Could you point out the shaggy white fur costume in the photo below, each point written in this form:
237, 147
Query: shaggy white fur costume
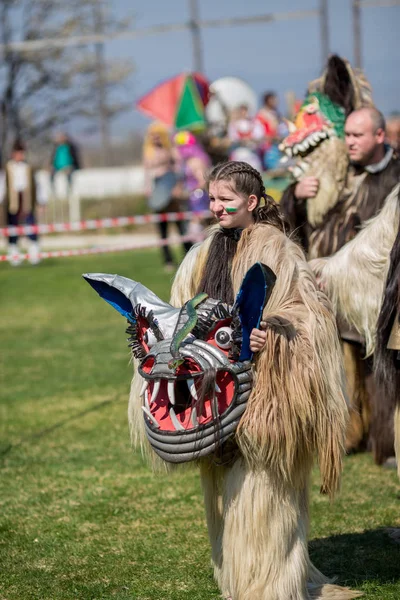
257, 505
354, 278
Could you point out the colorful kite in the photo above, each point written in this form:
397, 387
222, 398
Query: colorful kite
178, 102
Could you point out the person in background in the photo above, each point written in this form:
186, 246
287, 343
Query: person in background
20, 193
163, 187
194, 164
247, 136
274, 130
393, 132
268, 115
372, 174
65, 158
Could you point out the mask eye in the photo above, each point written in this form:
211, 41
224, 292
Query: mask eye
223, 337
149, 338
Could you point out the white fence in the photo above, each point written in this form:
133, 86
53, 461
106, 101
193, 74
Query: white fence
93, 183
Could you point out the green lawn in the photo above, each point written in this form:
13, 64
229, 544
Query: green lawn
81, 516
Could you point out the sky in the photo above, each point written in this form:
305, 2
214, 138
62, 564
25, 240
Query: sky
281, 56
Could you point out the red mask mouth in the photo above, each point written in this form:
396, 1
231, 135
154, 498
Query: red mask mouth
193, 411
187, 402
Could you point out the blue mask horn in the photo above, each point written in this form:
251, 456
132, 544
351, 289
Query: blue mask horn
125, 295
251, 300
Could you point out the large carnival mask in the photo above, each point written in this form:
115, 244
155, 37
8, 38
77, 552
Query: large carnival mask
317, 120
195, 361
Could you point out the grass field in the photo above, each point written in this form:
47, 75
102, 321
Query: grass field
81, 516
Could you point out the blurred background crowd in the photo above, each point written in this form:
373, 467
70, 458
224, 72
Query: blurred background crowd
119, 111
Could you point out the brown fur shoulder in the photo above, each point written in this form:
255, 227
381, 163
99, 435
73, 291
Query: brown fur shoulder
297, 407
361, 199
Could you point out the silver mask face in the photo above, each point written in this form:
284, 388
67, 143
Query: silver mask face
195, 361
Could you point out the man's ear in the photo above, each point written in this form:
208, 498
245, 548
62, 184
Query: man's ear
380, 135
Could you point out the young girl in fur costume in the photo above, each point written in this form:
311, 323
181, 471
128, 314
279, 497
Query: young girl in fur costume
256, 493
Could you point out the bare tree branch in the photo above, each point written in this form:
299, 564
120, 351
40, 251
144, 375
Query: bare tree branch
47, 89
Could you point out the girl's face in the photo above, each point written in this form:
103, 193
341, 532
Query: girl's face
231, 209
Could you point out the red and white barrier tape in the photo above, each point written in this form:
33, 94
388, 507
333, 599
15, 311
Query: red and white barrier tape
105, 249
93, 224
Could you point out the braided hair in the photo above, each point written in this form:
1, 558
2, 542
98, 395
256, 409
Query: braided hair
247, 181
216, 277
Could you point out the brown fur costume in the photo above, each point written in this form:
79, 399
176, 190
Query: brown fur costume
360, 197
356, 279
346, 197
257, 504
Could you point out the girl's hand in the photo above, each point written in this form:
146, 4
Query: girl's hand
258, 338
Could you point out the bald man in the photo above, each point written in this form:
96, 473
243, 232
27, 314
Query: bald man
365, 137
373, 171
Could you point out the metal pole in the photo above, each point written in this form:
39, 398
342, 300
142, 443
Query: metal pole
79, 40
357, 34
378, 3
101, 85
198, 62
324, 25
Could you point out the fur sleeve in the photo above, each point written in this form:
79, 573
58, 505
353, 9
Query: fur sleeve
355, 276
297, 408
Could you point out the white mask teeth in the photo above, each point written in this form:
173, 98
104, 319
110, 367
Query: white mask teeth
171, 391
192, 389
144, 387
193, 417
217, 388
175, 421
156, 389
150, 416
146, 401
303, 166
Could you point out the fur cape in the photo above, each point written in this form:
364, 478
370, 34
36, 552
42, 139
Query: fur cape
257, 505
363, 282
297, 407
354, 278
387, 357
386, 362
361, 197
